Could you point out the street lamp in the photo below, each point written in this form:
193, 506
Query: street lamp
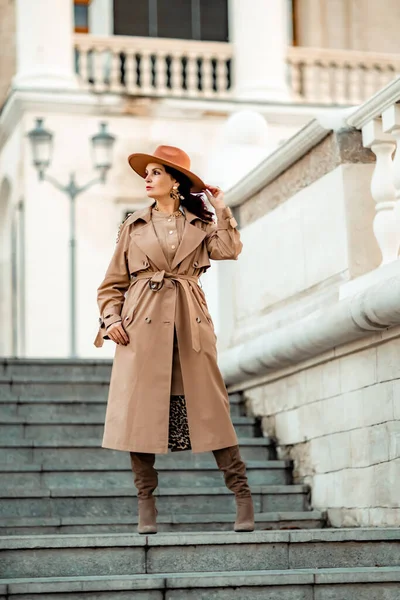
42, 148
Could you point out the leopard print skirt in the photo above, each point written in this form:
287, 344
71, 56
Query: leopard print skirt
178, 434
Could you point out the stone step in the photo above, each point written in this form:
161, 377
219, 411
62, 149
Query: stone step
370, 583
29, 370
180, 522
274, 472
89, 452
76, 502
82, 427
212, 552
55, 400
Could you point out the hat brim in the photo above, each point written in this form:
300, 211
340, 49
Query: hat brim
139, 162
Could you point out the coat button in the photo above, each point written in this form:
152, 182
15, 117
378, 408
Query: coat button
196, 264
198, 319
153, 285
148, 320
126, 318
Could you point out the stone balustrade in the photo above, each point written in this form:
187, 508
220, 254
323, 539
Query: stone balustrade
161, 67
188, 68
341, 77
379, 121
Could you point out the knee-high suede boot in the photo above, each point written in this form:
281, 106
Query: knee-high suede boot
146, 481
231, 464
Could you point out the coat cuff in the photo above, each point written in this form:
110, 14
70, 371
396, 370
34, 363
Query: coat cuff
105, 322
110, 319
225, 218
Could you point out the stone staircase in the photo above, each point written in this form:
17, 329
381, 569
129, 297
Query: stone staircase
68, 511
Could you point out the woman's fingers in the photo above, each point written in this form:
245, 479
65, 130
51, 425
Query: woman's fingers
213, 189
117, 334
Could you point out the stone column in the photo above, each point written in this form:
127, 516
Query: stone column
44, 45
259, 33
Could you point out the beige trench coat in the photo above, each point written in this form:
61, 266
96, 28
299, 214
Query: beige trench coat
151, 298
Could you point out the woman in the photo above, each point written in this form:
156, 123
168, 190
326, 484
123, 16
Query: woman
166, 391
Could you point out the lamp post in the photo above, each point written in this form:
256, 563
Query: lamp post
42, 147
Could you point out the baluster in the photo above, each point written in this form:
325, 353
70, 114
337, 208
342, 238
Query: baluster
340, 84
355, 87
176, 74
191, 75
115, 71
385, 75
309, 82
83, 68
323, 88
161, 73
207, 75
222, 77
131, 63
98, 69
391, 124
146, 72
371, 81
296, 80
382, 190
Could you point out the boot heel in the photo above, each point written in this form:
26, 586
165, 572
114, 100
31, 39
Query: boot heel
244, 514
147, 515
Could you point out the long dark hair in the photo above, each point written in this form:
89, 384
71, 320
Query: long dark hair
193, 202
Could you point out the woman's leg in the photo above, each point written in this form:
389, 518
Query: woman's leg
146, 481
231, 464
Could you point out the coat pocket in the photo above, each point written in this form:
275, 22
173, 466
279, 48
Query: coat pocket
131, 302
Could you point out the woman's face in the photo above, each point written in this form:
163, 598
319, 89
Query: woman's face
158, 182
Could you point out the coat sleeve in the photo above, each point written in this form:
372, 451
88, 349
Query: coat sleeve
223, 238
111, 292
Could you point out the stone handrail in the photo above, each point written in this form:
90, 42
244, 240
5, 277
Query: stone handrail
341, 77
145, 66
372, 310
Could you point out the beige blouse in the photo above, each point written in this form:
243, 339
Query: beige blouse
169, 231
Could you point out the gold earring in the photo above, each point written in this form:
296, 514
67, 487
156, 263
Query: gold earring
174, 194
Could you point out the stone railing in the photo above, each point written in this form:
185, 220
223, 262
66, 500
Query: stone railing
341, 77
185, 68
379, 121
162, 67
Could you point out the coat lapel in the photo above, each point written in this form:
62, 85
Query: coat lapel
147, 241
192, 237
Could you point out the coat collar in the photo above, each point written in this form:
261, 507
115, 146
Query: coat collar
145, 237
144, 214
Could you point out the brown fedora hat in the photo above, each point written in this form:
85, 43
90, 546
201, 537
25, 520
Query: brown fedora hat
169, 156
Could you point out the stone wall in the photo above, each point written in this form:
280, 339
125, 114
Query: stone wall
7, 46
339, 420
365, 25
332, 406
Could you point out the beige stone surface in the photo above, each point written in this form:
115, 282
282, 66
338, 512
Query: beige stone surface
7, 46
339, 422
337, 148
365, 25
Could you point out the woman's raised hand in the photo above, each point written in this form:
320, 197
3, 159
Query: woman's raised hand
117, 333
215, 195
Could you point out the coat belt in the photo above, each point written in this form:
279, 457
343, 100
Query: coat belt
156, 281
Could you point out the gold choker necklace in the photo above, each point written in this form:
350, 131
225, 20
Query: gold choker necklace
177, 213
